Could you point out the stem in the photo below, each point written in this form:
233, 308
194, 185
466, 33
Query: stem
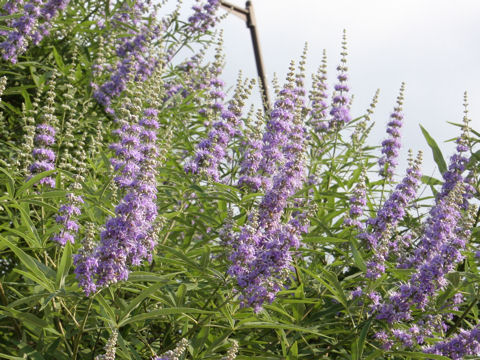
460, 319
4, 300
82, 327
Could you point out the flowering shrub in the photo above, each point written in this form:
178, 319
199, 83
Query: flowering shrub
145, 214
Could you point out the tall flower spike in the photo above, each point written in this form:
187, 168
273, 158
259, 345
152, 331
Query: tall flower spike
391, 146
340, 111
44, 156
252, 156
318, 97
176, 353
380, 235
357, 201
136, 59
232, 352
458, 162
66, 218
25, 157
212, 150
110, 347
278, 126
445, 235
262, 257
131, 235
362, 128
84, 261
204, 17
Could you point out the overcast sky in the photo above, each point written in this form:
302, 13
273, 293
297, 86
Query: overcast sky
432, 45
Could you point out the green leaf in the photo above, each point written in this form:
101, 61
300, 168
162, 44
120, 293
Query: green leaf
359, 344
143, 295
34, 180
419, 355
357, 257
155, 314
272, 325
5, 356
437, 154
64, 266
36, 272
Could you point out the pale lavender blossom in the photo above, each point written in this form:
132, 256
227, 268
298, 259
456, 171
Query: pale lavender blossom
357, 201
466, 343
379, 236
340, 110
445, 235
204, 17
135, 60
391, 146
262, 256
66, 217
33, 25
128, 237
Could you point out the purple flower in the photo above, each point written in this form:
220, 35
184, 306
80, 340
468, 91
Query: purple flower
340, 111
278, 127
129, 237
261, 257
136, 61
204, 16
391, 146
358, 201
43, 155
445, 235
250, 165
382, 227
34, 24
211, 151
66, 218
467, 343
457, 166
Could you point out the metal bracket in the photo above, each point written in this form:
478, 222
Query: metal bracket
248, 15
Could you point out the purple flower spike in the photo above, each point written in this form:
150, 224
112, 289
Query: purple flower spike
467, 343
358, 201
129, 237
340, 110
279, 125
445, 235
391, 146
34, 24
66, 218
212, 150
135, 58
204, 16
458, 163
382, 227
44, 157
261, 257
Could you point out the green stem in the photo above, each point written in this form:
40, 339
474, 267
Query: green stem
82, 327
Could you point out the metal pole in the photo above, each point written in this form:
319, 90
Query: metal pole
248, 15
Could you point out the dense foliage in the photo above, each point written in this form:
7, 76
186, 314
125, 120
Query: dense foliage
145, 213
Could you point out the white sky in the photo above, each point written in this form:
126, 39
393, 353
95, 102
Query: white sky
432, 45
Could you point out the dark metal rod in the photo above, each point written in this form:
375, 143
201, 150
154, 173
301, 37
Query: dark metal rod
252, 25
248, 15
